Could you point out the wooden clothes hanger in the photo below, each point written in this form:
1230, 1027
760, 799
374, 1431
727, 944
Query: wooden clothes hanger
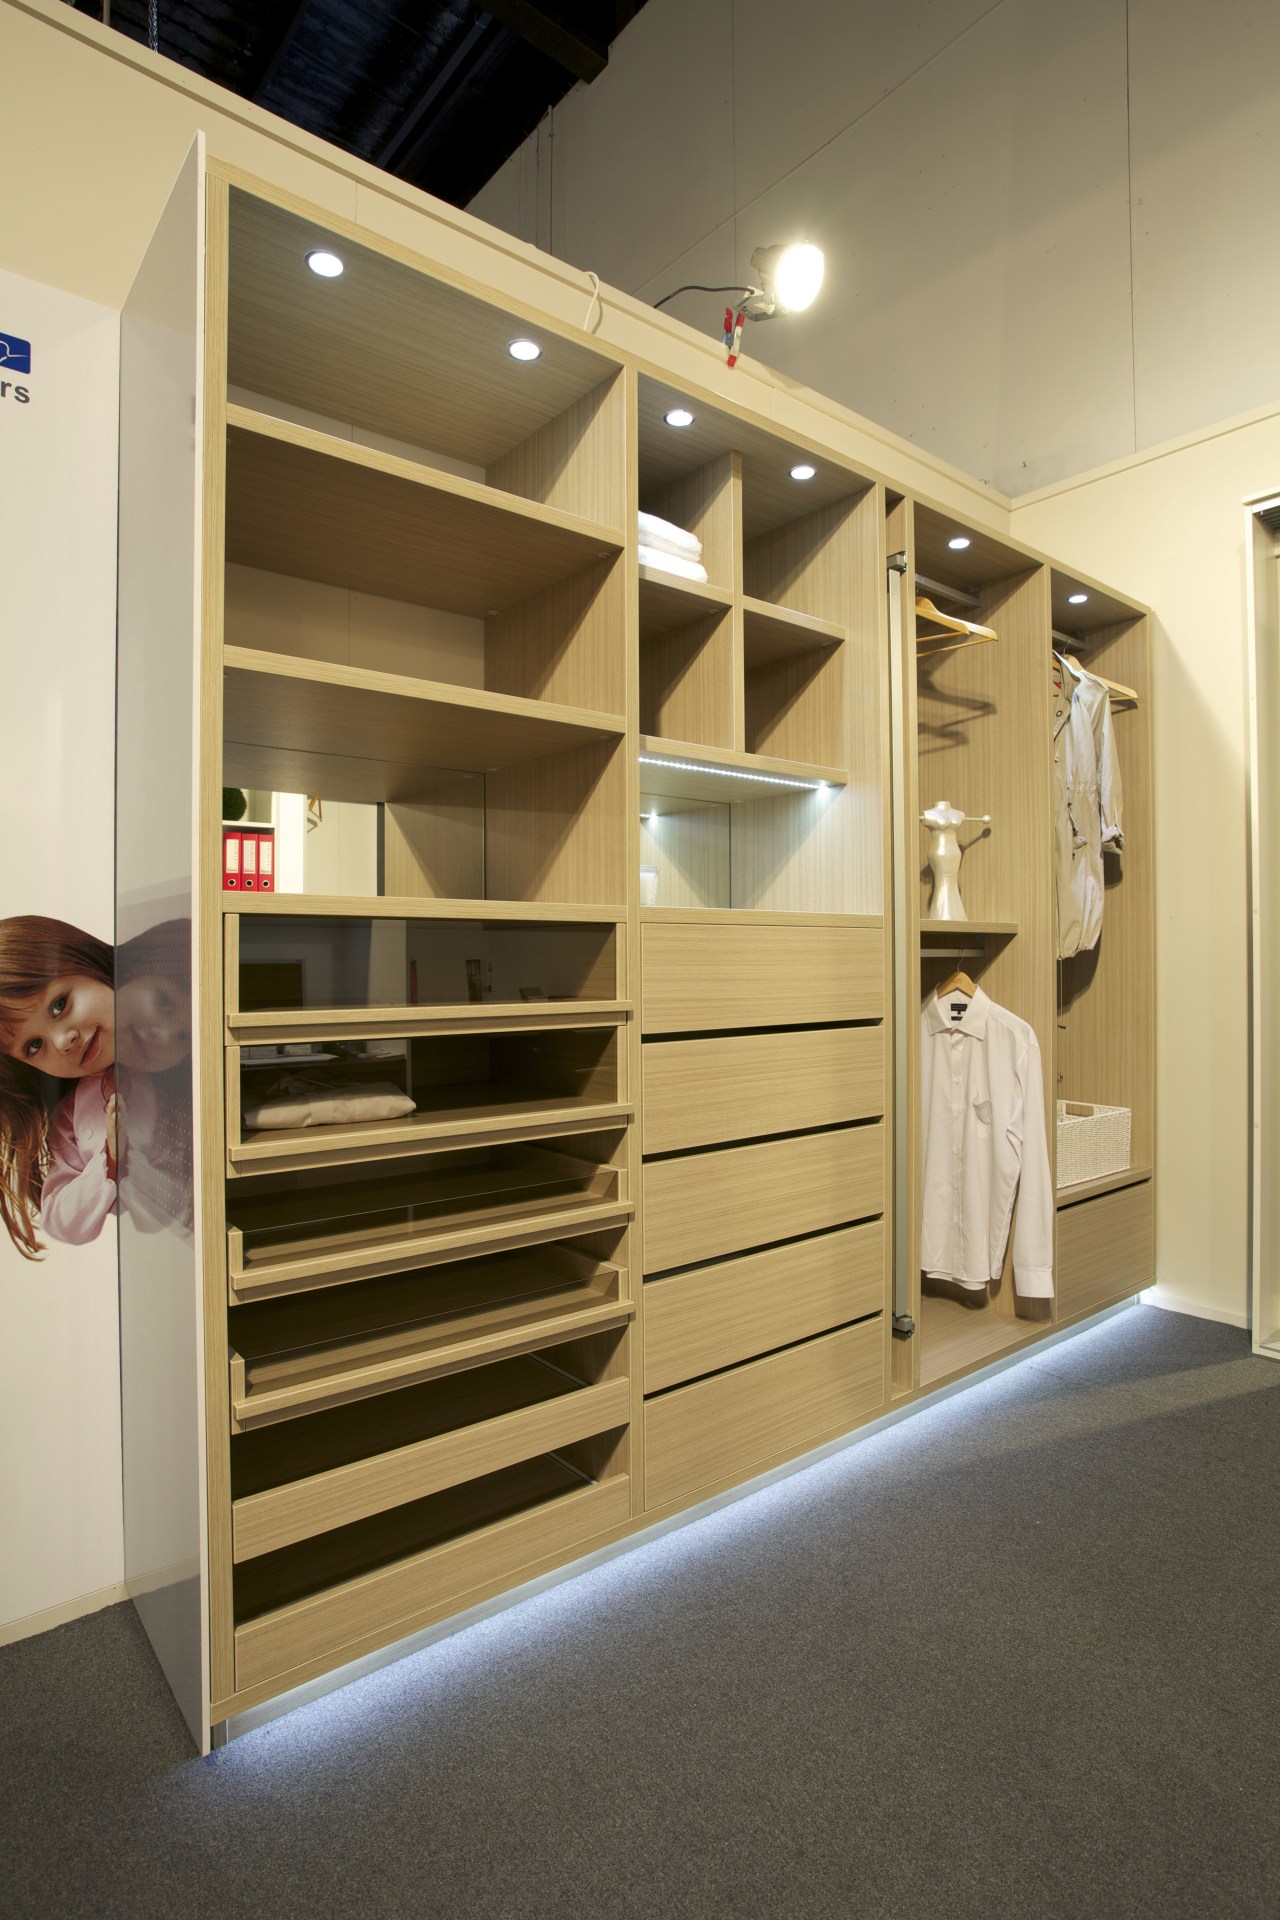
972, 634
957, 982
1113, 687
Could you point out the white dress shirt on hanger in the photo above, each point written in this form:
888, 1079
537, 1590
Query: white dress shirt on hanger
983, 1143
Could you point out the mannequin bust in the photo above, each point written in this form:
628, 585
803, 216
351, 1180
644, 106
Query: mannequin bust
944, 820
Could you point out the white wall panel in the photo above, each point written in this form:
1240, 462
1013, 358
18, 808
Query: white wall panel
805, 72
643, 158
1206, 107
959, 306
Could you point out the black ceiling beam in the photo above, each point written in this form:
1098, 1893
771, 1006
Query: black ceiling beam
401, 145
576, 52
269, 62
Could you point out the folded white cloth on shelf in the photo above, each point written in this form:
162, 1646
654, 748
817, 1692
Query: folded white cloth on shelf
672, 563
668, 538
311, 1102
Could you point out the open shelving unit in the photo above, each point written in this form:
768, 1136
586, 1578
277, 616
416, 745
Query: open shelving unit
607, 901
979, 732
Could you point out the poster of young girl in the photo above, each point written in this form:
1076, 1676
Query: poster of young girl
60, 1500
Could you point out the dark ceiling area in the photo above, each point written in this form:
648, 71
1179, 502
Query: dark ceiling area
437, 92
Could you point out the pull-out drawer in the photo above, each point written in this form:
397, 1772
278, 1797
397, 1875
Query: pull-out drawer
1106, 1249
696, 1323
705, 977
711, 1204
309, 1477
699, 1092
752, 1417
327, 1601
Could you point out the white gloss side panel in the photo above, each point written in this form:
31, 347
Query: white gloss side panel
161, 1356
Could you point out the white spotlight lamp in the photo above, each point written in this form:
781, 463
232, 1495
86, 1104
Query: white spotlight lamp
790, 278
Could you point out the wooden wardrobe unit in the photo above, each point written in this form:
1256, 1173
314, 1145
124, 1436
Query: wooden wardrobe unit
635, 1244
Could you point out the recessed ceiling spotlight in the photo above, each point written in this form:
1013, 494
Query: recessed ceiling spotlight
803, 472
678, 417
326, 264
958, 542
1076, 599
525, 350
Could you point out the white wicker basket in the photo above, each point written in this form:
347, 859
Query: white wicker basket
1092, 1141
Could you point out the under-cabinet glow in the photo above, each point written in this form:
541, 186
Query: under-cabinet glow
327, 265
678, 417
803, 472
730, 773
525, 350
1076, 599
959, 542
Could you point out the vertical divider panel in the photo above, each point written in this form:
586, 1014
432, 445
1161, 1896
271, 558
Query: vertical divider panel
212, 1037
572, 462
629, 934
904, 945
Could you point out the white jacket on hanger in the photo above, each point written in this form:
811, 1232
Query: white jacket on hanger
983, 1143
1086, 804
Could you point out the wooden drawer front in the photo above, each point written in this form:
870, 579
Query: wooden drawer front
1106, 1249
303, 1508
722, 1429
342, 1622
698, 1092
701, 978
696, 1323
713, 1204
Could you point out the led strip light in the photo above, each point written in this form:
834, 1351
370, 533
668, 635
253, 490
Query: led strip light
731, 773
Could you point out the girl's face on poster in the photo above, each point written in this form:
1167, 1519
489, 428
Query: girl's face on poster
69, 1031
155, 1024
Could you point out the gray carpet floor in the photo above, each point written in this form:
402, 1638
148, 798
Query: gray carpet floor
1015, 1656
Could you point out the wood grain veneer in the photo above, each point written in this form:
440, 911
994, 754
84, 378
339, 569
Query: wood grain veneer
700, 1092
705, 1205
743, 1420
1106, 1249
703, 976
715, 1316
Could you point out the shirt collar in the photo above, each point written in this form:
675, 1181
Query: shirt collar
974, 1022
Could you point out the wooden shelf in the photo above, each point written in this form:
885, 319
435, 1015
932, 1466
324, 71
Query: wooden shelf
463, 1118
750, 916
956, 1338
406, 735
490, 1016
290, 1357
981, 929
298, 1480
717, 774
667, 601
380, 906
773, 632
324, 509
1106, 1183
523, 1196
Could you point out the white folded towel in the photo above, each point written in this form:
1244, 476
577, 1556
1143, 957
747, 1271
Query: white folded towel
300, 1101
672, 563
667, 538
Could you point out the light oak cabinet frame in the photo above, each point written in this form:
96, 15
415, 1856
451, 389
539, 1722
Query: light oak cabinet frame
368, 1472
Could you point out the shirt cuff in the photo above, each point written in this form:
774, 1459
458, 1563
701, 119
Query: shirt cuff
1034, 1283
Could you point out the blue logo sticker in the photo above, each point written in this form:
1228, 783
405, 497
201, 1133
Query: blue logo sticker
15, 354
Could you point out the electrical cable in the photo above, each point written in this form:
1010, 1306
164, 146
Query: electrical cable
695, 287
